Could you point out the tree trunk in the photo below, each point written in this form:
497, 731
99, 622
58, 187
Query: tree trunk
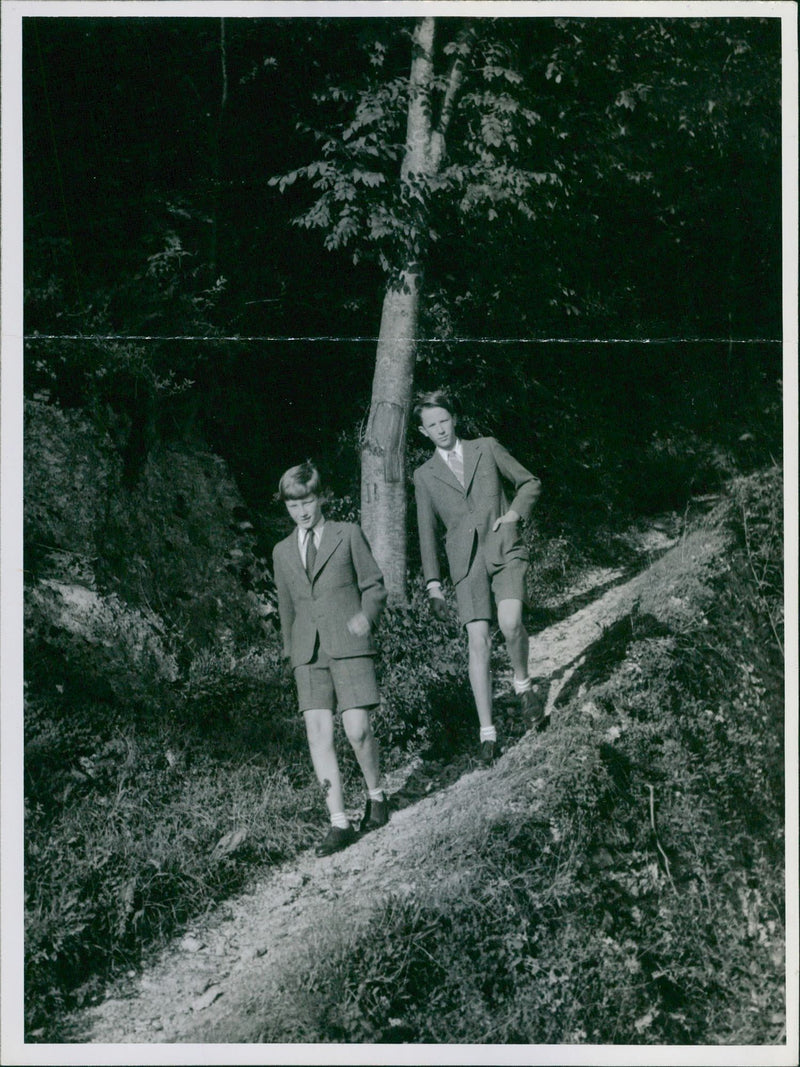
383, 483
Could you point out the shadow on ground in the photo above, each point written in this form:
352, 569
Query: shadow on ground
437, 771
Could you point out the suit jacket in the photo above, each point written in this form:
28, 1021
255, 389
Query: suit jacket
346, 580
468, 512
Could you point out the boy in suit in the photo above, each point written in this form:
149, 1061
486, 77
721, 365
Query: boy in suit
330, 596
460, 488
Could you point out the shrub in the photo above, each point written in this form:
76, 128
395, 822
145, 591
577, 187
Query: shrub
426, 702
71, 471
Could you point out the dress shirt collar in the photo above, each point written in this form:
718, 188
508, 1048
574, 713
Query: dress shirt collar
317, 532
444, 452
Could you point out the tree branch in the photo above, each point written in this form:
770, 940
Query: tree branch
419, 124
464, 43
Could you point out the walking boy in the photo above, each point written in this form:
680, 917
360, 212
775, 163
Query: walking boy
460, 487
330, 596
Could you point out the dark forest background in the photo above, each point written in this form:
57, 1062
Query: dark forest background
603, 295
148, 154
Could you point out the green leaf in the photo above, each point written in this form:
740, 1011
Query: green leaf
370, 178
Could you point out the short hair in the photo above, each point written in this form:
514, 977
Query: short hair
437, 398
297, 482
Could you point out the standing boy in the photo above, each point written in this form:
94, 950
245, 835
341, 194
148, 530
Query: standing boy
460, 487
330, 596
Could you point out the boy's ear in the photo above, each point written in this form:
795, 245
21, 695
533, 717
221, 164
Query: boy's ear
422, 430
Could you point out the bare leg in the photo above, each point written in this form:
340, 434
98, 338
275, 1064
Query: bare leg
319, 730
365, 746
480, 677
509, 618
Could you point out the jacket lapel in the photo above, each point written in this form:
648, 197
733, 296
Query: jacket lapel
291, 552
472, 455
440, 469
331, 539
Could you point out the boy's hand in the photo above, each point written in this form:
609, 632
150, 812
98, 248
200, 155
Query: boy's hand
510, 516
359, 625
438, 606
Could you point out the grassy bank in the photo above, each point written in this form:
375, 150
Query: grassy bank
635, 894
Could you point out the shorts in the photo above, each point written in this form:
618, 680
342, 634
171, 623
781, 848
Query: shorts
336, 683
496, 572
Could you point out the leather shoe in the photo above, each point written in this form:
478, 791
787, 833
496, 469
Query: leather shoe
489, 752
376, 814
335, 840
533, 707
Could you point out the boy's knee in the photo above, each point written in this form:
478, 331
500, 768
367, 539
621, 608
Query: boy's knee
319, 726
511, 629
356, 735
357, 727
509, 618
479, 645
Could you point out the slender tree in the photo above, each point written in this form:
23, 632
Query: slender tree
383, 493
376, 195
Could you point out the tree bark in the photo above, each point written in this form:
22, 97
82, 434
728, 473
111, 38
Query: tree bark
383, 482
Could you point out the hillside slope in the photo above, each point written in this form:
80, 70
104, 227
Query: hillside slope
234, 977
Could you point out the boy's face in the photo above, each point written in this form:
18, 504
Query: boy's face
306, 512
437, 424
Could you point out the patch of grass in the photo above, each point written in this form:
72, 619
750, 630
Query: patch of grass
130, 861
133, 827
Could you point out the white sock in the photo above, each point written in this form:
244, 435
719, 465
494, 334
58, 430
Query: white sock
523, 686
488, 733
338, 818
377, 795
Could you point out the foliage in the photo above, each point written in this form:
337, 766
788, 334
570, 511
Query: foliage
735, 664
633, 150
660, 103
665, 132
127, 715
361, 204
187, 750
70, 469
426, 703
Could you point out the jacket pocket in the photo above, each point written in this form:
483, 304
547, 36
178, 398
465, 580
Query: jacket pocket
504, 545
340, 605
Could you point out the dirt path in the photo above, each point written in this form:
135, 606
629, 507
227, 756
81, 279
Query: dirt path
224, 979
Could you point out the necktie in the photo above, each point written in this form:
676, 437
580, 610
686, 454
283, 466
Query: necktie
311, 553
456, 465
